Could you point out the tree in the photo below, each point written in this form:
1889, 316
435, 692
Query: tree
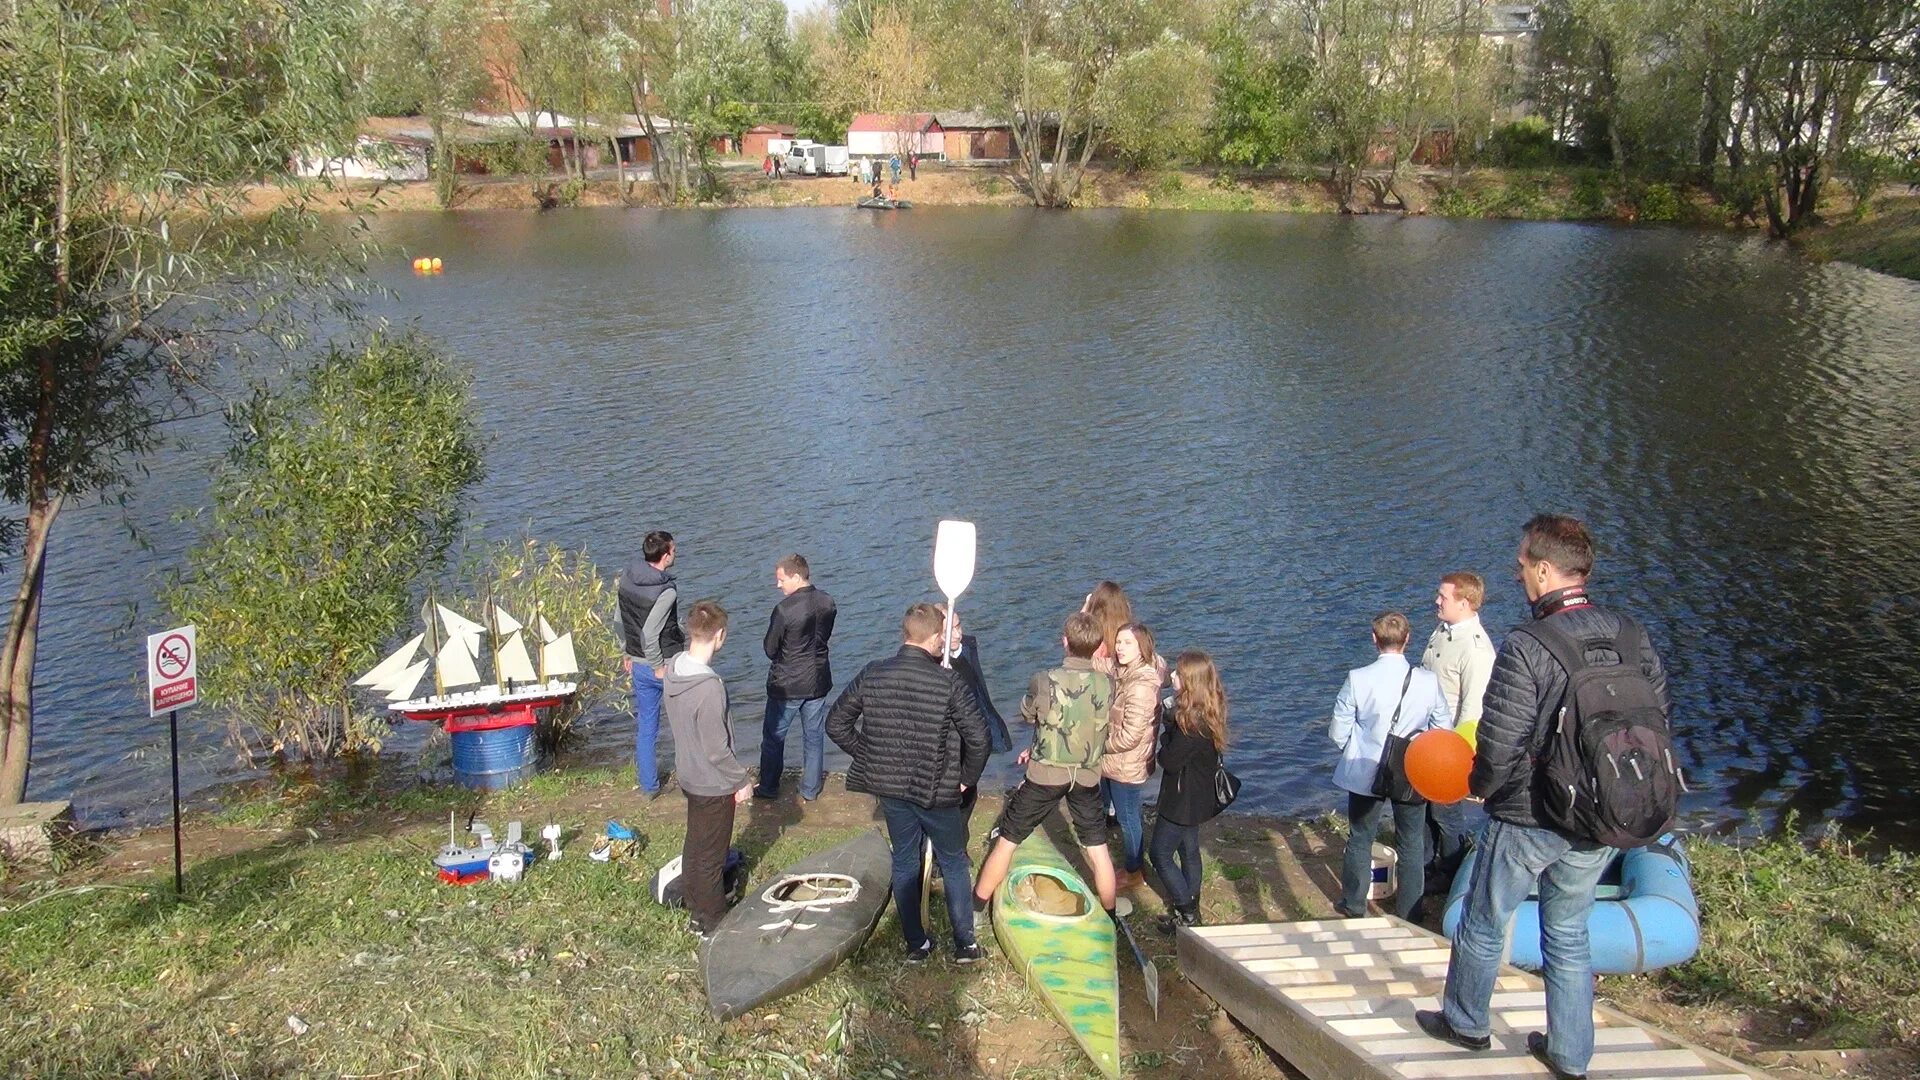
1380, 83
337, 497
734, 58
129, 270
1261, 76
425, 57
1154, 105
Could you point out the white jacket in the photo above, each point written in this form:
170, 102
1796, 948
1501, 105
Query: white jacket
1462, 656
1364, 707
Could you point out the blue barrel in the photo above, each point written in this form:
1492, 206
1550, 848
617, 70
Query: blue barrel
493, 759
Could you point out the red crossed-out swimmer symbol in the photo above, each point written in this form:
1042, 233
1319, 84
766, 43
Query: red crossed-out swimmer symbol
171, 659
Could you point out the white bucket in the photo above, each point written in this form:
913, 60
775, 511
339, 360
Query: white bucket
1386, 872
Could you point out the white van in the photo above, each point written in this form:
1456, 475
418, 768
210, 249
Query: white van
807, 158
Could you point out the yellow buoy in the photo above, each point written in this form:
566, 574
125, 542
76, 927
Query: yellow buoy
436, 263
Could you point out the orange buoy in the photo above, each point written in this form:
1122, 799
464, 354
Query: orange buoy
436, 264
1438, 763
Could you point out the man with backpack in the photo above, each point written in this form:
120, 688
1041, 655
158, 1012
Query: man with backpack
1575, 760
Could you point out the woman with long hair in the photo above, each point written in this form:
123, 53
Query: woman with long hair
1108, 605
1132, 729
1189, 759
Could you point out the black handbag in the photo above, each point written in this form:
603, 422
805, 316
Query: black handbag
1390, 778
1226, 788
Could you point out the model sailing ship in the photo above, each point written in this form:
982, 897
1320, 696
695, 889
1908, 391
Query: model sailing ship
455, 648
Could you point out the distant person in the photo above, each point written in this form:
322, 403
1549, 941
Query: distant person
1111, 610
1132, 731
650, 626
893, 163
798, 679
1388, 696
1529, 841
712, 779
1189, 760
1069, 707
918, 745
877, 193
766, 166
1460, 655
913, 166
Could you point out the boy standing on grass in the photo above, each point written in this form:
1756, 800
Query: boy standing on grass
1068, 707
713, 780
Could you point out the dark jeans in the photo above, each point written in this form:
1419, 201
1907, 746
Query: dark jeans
703, 858
1449, 832
1178, 842
908, 828
1125, 800
1410, 840
646, 727
781, 713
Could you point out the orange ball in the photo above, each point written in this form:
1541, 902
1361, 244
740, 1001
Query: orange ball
436, 263
1438, 762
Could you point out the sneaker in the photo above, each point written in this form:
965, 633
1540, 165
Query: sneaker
918, 954
765, 796
970, 953
1435, 1025
1168, 924
1537, 1046
703, 936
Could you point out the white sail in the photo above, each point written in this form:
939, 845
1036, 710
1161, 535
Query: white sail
393, 666
504, 623
559, 658
464, 630
546, 631
515, 664
402, 688
456, 663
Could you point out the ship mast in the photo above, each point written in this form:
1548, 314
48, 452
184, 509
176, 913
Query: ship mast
491, 617
432, 615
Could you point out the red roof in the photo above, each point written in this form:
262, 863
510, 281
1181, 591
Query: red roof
885, 122
773, 129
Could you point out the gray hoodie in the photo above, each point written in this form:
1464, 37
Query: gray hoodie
695, 701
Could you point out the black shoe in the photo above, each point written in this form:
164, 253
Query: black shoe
765, 796
1537, 1046
970, 953
1188, 915
1167, 924
919, 954
1435, 1025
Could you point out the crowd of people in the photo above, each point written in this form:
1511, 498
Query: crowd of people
920, 726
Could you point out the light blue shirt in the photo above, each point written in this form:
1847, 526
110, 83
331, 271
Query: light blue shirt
1365, 705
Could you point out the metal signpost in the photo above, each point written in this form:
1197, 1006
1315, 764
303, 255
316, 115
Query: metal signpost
173, 660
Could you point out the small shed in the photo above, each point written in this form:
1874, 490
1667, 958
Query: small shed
374, 157
976, 136
883, 134
757, 141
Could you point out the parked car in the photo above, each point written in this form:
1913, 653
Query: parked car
806, 158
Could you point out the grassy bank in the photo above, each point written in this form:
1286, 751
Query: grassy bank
1886, 239
313, 940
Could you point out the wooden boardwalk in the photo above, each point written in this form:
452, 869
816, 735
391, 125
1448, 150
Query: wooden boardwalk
1336, 999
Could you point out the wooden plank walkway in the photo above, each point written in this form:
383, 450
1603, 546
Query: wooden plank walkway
1336, 999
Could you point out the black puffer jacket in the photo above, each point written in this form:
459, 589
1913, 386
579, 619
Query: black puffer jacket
1523, 695
913, 729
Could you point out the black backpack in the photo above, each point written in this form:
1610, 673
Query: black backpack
1607, 771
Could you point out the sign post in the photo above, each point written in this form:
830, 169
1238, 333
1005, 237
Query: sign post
173, 661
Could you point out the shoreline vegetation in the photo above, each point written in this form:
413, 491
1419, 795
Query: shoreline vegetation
313, 939
1885, 238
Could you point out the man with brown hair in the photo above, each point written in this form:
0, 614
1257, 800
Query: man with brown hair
1461, 655
1068, 707
798, 678
1387, 697
918, 743
713, 780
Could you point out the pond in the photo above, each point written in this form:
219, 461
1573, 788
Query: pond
1267, 427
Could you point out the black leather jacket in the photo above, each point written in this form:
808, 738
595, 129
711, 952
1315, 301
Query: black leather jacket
1523, 695
796, 643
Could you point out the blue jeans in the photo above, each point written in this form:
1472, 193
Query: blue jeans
1176, 857
646, 727
1125, 800
1509, 861
908, 828
1410, 841
773, 745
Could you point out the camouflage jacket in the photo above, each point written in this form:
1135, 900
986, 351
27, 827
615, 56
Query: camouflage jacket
1069, 707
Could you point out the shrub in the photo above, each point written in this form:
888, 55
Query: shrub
1526, 143
1168, 185
1589, 195
1659, 202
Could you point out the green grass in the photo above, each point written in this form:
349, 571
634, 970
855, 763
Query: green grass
1887, 240
1822, 931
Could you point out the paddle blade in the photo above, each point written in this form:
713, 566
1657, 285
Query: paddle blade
953, 551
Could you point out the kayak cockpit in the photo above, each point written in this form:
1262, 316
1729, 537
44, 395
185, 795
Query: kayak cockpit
1047, 895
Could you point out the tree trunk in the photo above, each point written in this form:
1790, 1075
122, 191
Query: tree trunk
445, 183
17, 654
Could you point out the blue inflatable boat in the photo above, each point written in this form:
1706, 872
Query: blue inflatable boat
1645, 916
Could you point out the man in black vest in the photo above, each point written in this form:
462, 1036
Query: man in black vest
650, 627
798, 679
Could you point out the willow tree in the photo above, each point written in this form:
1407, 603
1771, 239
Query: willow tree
129, 267
424, 56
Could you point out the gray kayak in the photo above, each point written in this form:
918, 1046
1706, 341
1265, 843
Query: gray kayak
871, 203
796, 927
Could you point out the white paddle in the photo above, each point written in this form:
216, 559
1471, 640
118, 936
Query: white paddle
953, 551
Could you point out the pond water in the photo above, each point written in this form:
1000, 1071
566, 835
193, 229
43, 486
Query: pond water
1268, 428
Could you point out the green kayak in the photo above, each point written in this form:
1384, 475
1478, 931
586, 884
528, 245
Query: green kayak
1050, 924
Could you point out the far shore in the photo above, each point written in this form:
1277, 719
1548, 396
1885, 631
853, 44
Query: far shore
313, 899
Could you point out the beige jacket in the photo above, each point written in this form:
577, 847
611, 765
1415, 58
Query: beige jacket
1132, 727
1462, 656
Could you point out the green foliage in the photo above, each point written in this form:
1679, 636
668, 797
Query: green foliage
1822, 929
1260, 83
530, 579
423, 57
1526, 143
1155, 102
1589, 196
338, 496
1658, 202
